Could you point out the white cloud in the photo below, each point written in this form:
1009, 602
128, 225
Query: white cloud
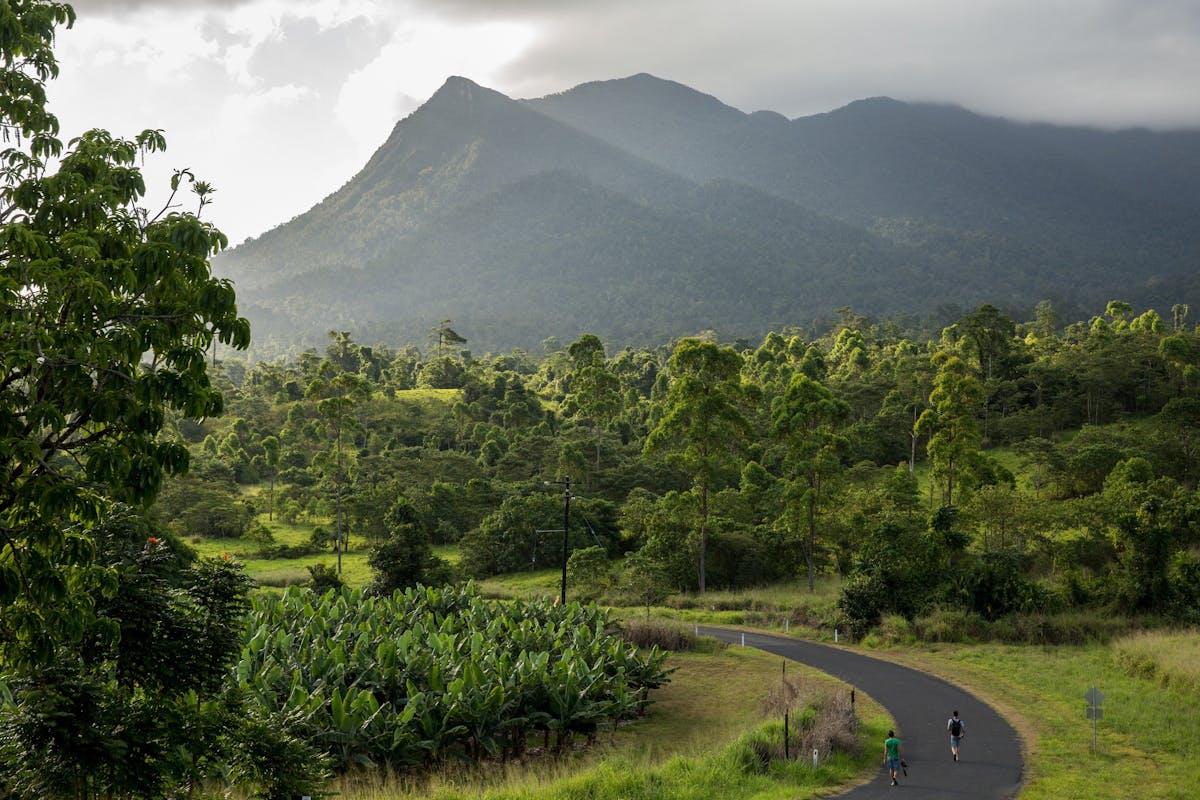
413, 64
243, 114
279, 102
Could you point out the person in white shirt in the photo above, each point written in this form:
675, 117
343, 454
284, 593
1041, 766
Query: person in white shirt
957, 729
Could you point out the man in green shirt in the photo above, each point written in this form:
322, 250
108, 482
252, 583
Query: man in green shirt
892, 755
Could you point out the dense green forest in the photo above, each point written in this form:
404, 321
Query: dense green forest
995, 468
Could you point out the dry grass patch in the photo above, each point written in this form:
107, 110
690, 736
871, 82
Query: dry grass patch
821, 717
1169, 658
711, 699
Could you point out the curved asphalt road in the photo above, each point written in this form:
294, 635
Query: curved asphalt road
990, 753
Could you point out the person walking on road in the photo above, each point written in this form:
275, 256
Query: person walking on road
957, 730
892, 755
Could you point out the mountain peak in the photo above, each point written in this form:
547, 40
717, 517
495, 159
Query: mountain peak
458, 89
643, 96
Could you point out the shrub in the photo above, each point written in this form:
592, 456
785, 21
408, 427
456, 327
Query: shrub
198, 508
140, 706
323, 577
1070, 628
994, 585
320, 538
277, 760
590, 571
863, 599
406, 557
261, 535
950, 625
1184, 577
895, 629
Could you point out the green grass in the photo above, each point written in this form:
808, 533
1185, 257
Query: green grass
1007, 458
524, 585
1148, 741
289, 533
447, 552
429, 396
278, 572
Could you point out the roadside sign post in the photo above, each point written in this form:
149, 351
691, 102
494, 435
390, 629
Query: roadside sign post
1094, 712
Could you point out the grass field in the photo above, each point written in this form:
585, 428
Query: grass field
279, 572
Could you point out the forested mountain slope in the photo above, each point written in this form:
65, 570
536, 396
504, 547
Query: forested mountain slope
641, 209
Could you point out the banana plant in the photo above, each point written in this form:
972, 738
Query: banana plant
430, 673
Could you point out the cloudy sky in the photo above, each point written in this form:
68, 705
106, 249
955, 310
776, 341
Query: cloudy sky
279, 102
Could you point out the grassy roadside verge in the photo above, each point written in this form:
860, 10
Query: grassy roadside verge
1148, 741
698, 741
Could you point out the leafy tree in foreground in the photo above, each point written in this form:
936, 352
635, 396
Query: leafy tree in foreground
148, 713
105, 317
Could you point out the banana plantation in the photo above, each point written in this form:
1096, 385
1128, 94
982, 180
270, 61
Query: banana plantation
430, 674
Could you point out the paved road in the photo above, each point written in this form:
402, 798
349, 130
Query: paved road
990, 765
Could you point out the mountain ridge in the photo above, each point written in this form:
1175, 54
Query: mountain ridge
674, 212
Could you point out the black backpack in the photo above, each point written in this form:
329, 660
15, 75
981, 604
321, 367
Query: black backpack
956, 727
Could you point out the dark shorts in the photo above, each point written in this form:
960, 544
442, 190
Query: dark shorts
893, 763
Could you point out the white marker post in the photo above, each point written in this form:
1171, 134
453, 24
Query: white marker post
1094, 711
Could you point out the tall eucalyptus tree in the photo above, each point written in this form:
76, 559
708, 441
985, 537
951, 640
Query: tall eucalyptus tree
595, 391
806, 418
950, 421
337, 395
702, 427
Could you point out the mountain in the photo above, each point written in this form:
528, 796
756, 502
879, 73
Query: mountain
640, 209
